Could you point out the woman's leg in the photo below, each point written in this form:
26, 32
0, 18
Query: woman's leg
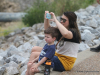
57, 64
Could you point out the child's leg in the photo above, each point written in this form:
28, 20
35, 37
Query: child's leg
35, 52
26, 73
36, 49
32, 57
28, 68
32, 70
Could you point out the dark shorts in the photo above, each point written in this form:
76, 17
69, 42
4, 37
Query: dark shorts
57, 64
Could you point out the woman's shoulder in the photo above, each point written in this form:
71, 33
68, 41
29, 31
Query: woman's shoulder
75, 35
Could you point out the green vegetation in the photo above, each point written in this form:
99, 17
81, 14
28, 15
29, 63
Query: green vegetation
35, 14
71, 5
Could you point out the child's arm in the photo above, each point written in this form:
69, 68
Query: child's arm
40, 62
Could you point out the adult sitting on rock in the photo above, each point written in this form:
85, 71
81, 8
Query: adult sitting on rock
69, 37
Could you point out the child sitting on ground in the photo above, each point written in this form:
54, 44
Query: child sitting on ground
47, 52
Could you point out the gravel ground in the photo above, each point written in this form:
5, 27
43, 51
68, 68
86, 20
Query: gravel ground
90, 66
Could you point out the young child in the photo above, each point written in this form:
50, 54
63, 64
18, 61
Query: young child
47, 52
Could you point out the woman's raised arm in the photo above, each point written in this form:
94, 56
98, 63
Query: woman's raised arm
46, 21
63, 30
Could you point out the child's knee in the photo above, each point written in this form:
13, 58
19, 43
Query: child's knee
34, 49
29, 64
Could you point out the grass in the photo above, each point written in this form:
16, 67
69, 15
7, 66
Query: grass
5, 30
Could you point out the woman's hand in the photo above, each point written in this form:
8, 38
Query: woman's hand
45, 14
52, 14
54, 17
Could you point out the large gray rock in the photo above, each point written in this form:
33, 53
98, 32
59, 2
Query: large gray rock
97, 10
16, 58
92, 23
4, 54
41, 43
41, 37
23, 73
83, 46
87, 36
2, 70
26, 47
90, 9
18, 41
23, 69
13, 64
1, 61
1, 51
30, 34
12, 71
24, 62
12, 50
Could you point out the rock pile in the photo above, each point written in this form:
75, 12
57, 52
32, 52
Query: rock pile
18, 44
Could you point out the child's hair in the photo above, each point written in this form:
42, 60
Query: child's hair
54, 32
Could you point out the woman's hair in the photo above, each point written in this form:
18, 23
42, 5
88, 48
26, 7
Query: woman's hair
72, 23
52, 31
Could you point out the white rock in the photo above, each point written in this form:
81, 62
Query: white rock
12, 71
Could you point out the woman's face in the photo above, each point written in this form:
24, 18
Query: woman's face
64, 21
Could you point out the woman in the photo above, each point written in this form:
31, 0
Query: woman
67, 48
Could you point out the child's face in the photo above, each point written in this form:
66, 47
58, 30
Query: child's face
49, 39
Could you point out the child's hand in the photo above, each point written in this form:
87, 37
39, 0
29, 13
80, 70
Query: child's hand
35, 67
33, 61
